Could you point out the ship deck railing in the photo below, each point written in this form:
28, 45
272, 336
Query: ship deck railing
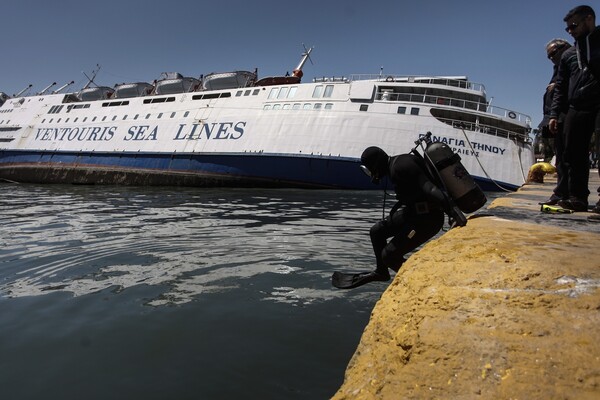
458, 103
487, 129
462, 83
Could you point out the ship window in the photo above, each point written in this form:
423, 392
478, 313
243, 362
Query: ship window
286, 106
414, 111
328, 91
58, 120
66, 120
147, 116
124, 117
401, 110
292, 92
44, 120
267, 107
114, 117
256, 91
364, 107
273, 93
283, 92
186, 114
247, 92
104, 118
318, 106
93, 119
318, 91
277, 107
238, 93
136, 116
173, 115
328, 106
307, 106
296, 106
159, 115
75, 120
85, 119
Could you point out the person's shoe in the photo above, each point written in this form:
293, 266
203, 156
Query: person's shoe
552, 201
596, 208
573, 204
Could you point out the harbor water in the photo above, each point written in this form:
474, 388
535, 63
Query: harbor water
180, 293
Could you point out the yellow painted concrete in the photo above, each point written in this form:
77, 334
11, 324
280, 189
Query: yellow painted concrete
503, 308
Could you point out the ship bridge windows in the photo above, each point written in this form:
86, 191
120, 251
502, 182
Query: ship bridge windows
432, 96
283, 92
322, 91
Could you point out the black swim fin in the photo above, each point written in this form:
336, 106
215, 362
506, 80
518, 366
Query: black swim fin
343, 280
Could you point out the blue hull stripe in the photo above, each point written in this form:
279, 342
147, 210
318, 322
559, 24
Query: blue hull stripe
279, 170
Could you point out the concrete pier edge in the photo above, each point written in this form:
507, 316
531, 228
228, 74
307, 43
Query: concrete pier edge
507, 307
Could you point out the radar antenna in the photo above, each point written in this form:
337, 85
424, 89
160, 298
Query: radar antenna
91, 80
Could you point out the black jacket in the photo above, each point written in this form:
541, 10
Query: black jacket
578, 80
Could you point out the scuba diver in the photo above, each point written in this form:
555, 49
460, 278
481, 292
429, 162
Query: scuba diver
418, 214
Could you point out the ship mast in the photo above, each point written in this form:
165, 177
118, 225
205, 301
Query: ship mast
305, 56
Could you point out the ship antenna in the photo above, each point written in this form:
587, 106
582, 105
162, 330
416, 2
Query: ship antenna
22, 91
91, 80
47, 87
305, 56
63, 87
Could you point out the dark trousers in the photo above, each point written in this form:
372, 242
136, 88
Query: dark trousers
562, 182
400, 226
579, 126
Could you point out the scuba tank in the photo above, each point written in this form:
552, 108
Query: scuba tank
459, 184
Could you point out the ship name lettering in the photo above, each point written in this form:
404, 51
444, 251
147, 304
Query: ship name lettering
141, 133
84, 134
214, 131
473, 148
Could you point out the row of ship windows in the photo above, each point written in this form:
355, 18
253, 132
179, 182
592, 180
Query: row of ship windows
7, 110
114, 118
289, 92
298, 106
295, 106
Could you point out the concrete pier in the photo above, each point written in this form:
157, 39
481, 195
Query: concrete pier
507, 307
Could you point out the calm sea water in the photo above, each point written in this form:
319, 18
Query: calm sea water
180, 293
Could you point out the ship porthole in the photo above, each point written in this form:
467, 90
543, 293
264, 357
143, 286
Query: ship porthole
512, 115
389, 79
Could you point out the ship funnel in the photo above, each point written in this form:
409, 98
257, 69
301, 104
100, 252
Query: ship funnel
305, 56
63, 87
47, 87
22, 91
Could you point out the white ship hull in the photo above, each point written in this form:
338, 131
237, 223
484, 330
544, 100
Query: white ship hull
291, 135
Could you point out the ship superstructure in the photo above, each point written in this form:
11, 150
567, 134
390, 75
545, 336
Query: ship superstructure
234, 129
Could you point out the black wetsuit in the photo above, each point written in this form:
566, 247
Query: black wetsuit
415, 218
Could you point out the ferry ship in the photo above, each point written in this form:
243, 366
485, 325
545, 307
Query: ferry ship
234, 129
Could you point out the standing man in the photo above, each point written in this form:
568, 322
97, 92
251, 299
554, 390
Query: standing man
554, 50
578, 87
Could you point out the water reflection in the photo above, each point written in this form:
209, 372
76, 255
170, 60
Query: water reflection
188, 242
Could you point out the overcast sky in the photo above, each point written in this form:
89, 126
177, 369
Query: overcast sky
497, 43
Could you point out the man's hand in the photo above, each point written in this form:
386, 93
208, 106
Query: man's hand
553, 126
